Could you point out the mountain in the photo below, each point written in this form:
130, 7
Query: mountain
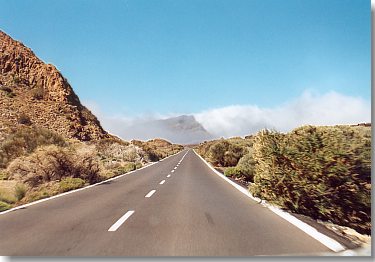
183, 129
35, 93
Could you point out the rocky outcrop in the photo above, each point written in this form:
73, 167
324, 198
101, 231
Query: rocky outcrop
35, 93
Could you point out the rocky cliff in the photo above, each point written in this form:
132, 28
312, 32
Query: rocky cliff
35, 93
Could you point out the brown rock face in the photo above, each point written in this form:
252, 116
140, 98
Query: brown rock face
35, 93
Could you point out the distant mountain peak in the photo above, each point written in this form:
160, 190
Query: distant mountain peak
185, 122
184, 129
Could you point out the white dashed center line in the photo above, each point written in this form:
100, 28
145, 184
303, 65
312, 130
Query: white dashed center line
175, 168
162, 182
150, 193
169, 176
119, 222
172, 171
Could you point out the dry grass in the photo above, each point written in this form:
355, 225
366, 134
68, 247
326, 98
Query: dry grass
7, 192
37, 163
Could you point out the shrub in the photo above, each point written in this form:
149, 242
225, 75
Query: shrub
7, 197
37, 195
217, 152
4, 175
244, 169
11, 95
52, 163
4, 206
322, 172
24, 141
46, 164
233, 154
86, 167
20, 191
151, 155
126, 168
38, 93
16, 79
156, 149
8, 91
24, 119
70, 183
225, 153
114, 153
246, 166
233, 172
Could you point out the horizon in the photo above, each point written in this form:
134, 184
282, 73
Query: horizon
236, 67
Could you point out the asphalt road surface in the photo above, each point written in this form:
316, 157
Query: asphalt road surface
172, 208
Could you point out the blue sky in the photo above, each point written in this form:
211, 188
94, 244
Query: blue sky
134, 57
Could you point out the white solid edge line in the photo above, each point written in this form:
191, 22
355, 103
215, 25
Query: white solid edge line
119, 222
149, 194
162, 182
309, 230
80, 189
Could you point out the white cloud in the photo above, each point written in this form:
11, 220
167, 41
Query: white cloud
331, 108
327, 109
123, 126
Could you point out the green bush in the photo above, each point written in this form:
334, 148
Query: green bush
20, 191
233, 172
37, 195
224, 153
322, 172
244, 169
70, 183
4, 206
126, 168
217, 152
246, 166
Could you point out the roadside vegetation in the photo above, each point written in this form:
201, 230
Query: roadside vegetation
322, 172
36, 163
232, 156
157, 149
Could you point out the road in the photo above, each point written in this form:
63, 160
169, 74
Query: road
176, 207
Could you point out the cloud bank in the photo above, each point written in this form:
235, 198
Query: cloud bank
331, 108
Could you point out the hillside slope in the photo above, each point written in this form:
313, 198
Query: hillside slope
35, 93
